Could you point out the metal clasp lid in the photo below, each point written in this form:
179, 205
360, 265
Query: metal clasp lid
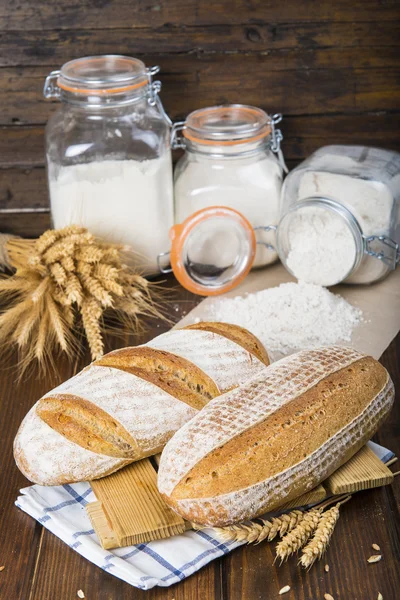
178, 141
384, 249
154, 91
51, 89
276, 138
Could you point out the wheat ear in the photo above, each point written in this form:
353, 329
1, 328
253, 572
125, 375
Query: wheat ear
255, 532
321, 538
316, 547
295, 539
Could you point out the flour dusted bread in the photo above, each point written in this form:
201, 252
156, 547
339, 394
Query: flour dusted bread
275, 437
127, 405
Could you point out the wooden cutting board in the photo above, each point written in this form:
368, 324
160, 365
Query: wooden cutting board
129, 510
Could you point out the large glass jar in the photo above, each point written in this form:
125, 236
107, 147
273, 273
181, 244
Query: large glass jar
232, 158
108, 154
341, 216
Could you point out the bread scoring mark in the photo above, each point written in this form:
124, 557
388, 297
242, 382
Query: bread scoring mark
147, 412
87, 425
236, 334
227, 363
231, 414
255, 500
174, 374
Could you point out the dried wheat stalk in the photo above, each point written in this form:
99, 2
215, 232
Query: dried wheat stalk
295, 539
254, 532
64, 281
316, 547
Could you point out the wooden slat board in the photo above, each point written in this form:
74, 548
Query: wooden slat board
363, 471
130, 510
133, 507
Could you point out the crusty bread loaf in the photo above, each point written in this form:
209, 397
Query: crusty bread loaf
128, 404
277, 436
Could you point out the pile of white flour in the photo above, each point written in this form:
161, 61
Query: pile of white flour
290, 317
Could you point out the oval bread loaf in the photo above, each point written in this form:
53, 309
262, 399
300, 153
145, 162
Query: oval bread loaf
275, 437
127, 405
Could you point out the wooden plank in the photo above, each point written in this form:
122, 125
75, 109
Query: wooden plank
101, 525
294, 84
51, 14
29, 225
52, 48
23, 147
363, 471
23, 188
133, 507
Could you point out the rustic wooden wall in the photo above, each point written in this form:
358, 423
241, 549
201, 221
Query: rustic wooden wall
331, 66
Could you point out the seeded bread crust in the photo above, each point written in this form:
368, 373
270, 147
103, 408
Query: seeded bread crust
276, 437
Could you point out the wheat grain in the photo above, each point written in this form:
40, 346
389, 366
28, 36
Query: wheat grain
375, 558
321, 538
380, 597
295, 539
284, 590
376, 547
326, 568
328, 597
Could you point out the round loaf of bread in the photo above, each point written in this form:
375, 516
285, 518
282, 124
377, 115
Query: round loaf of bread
274, 438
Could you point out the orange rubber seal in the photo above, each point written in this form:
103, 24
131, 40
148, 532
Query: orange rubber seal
194, 126
100, 92
179, 234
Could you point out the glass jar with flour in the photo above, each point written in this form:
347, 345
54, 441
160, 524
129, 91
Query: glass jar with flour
341, 216
108, 154
232, 158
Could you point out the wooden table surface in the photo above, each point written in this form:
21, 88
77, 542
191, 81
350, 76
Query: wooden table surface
38, 566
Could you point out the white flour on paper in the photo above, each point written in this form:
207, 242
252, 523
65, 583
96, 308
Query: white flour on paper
290, 317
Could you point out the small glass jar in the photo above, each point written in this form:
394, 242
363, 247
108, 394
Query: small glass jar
340, 219
108, 154
232, 158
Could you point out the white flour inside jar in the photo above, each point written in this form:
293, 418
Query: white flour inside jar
122, 201
322, 247
370, 202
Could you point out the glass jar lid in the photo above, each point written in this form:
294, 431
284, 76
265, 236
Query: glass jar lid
212, 251
107, 74
227, 125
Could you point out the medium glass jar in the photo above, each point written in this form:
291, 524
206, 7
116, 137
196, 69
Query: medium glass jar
341, 216
232, 158
108, 154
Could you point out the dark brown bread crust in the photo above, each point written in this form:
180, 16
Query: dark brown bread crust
174, 374
288, 436
236, 334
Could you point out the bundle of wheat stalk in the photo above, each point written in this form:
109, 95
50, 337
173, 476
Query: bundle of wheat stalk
309, 530
63, 283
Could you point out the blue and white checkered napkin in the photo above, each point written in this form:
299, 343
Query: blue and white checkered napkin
61, 509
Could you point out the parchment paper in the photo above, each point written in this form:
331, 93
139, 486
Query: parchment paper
380, 304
